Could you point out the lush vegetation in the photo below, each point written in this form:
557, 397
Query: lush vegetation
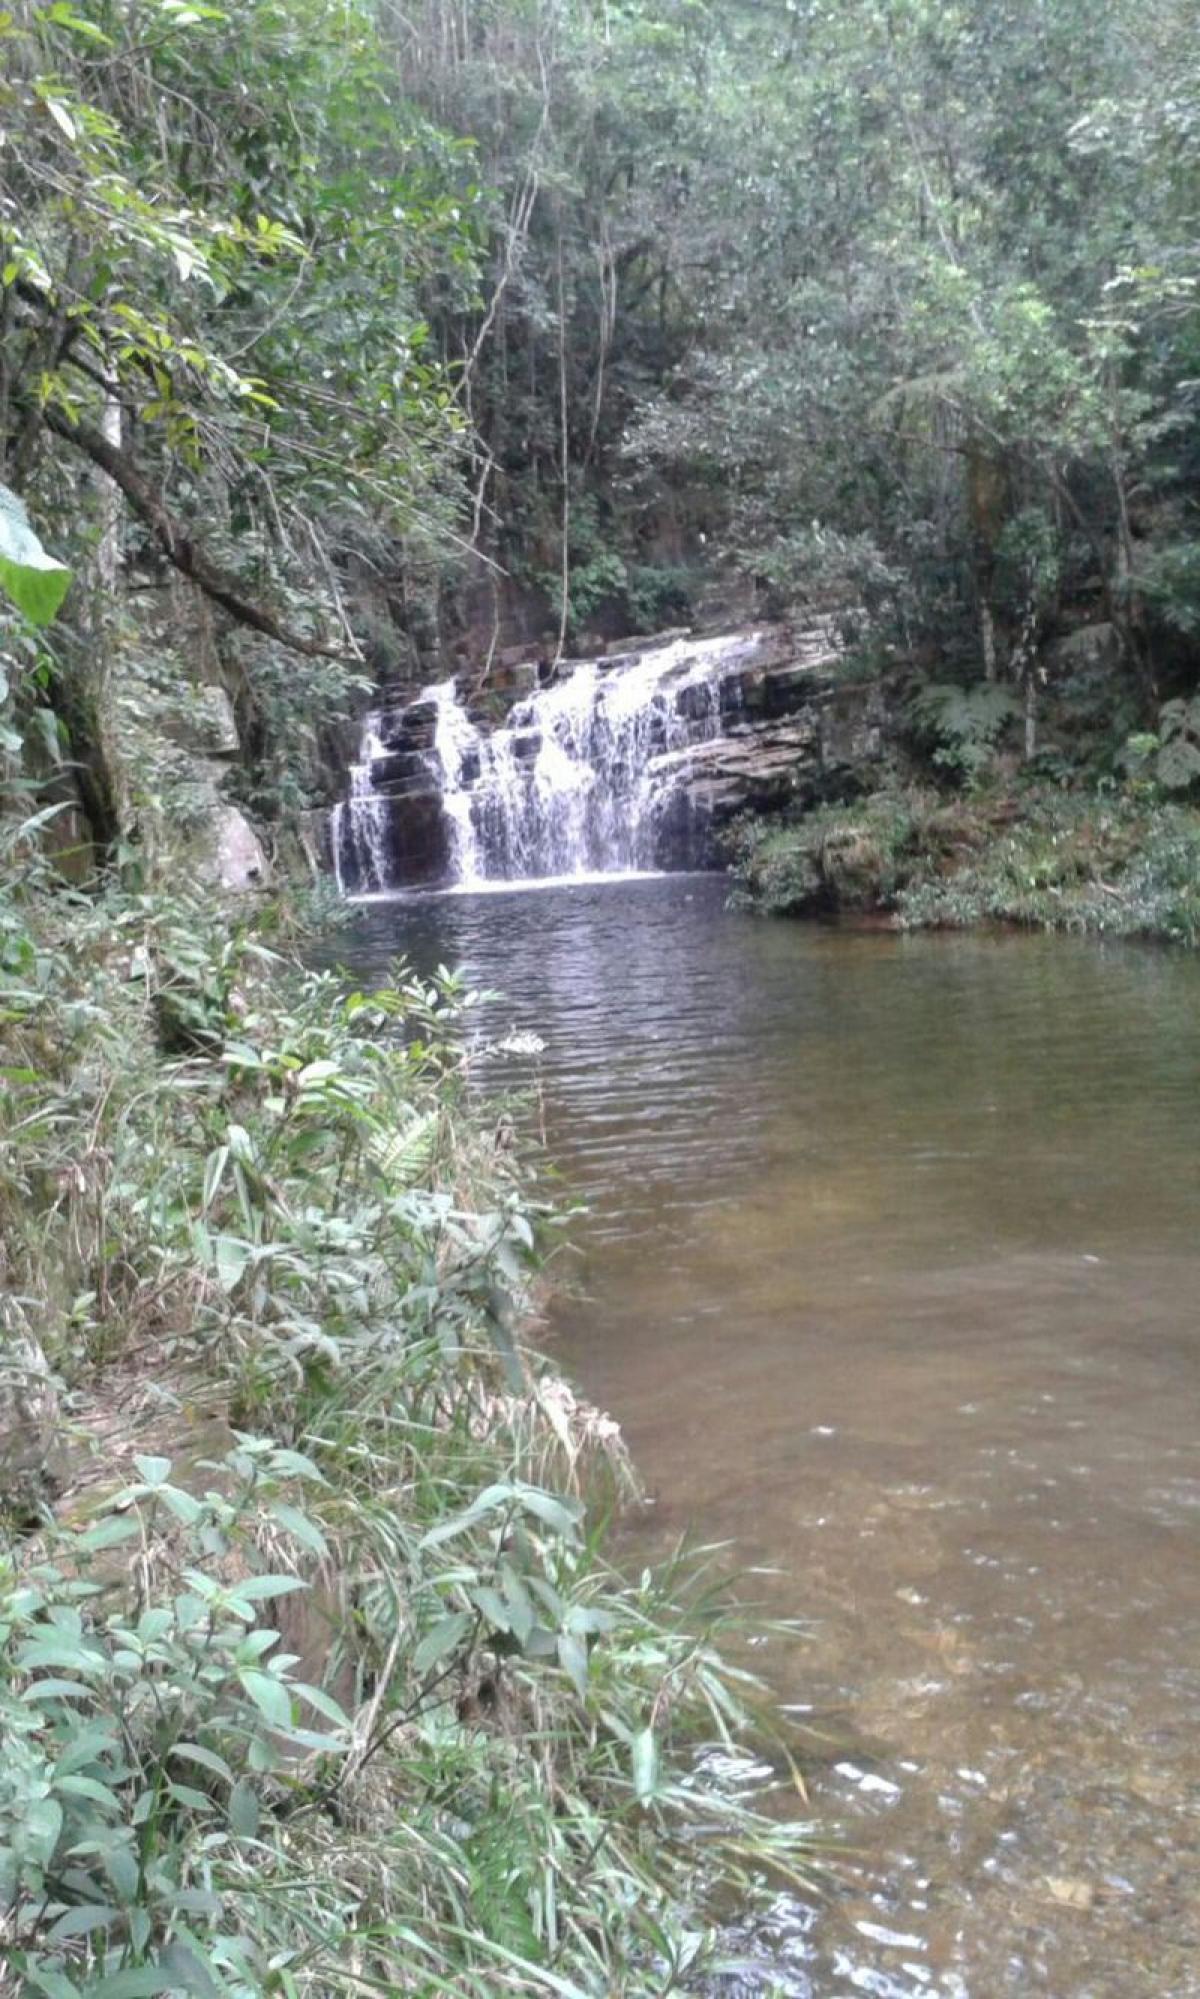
1115, 863
336, 338
313, 1675
391, 331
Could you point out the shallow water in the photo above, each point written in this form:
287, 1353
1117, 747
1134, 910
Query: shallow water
891, 1276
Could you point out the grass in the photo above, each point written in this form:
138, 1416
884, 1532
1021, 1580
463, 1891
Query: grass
315, 1677
1121, 863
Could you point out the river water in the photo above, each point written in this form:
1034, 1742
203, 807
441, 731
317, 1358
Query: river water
891, 1273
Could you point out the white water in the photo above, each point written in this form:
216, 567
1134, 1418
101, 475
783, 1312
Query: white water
572, 785
360, 823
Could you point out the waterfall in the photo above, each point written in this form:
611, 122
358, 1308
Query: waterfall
574, 780
359, 829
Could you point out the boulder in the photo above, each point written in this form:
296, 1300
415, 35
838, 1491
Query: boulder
217, 730
1091, 649
239, 863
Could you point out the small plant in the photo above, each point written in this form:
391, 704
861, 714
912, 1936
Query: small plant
964, 725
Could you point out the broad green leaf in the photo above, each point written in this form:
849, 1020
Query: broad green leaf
445, 1635
190, 1965
258, 1588
195, 1752
243, 1810
154, 1471
270, 1696
80, 1922
298, 1524
34, 581
141, 1983
573, 1658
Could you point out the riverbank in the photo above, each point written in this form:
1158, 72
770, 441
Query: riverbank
314, 1671
1117, 864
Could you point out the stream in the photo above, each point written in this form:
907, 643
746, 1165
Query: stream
890, 1273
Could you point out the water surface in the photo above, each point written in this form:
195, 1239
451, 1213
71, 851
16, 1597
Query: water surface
891, 1276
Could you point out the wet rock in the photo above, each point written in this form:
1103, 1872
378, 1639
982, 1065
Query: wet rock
633, 648
787, 688
418, 839
399, 771
697, 702
854, 728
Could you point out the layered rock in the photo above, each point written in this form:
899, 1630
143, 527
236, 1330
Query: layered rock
683, 734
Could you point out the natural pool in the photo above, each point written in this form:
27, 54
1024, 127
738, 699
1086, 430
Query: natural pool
892, 1274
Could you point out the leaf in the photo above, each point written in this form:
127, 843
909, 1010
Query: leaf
42, 1827
61, 116
445, 1635
231, 1255
323, 1702
154, 1471
573, 1658
243, 1810
107, 1534
298, 1524
34, 581
122, 1871
270, 1696
644, 1755
80, 1922
195, 1752
140, 1983
492, 1497
58, 1652
190, 1966
214, 1169
258, 1588
563, 1515
492, 1604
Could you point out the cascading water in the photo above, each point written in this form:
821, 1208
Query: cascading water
359, 828
574, 781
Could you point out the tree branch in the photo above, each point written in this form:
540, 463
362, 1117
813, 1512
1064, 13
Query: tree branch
188, 556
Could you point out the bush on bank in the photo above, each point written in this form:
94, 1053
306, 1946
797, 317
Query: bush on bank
314, 1677
1120, 864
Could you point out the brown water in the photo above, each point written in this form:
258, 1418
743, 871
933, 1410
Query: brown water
891, 1276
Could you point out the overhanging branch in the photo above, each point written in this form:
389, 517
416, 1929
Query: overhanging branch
188, 556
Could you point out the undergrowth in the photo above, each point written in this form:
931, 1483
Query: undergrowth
1120, 863
314, 1676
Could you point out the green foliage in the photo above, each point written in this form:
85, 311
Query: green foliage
834, 858
1177, 765
1117, 863
313, 1669
963, 724
33, 580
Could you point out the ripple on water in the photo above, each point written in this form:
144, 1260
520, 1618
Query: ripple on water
890, 1273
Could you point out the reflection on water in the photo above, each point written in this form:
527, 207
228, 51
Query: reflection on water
891, 1276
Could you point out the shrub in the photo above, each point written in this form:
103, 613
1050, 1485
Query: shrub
313, 1674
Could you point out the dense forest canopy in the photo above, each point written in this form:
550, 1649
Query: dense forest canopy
390, 330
